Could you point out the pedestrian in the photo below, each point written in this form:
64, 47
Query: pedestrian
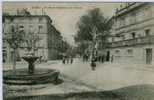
102, 58
67, 59
84, 58
40, 59
71, 60
93, 63
63, 60
87, 57
112, 58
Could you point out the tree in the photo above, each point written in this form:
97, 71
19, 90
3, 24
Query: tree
91, 27
15, 39
82, 46
65, 46
31, 39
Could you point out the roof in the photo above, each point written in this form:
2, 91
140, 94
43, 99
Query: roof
129, 8
17, 16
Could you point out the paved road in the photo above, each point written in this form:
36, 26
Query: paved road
107, 76
79, 76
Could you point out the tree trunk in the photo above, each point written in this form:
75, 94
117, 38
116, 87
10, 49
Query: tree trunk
14, 61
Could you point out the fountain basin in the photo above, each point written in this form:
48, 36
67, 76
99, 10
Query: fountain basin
30, 60
40, 76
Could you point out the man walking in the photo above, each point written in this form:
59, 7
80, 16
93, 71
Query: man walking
71, 59
93, 63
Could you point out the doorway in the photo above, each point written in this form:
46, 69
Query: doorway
148, 56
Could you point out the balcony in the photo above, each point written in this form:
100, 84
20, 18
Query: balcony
133, 42
128, 8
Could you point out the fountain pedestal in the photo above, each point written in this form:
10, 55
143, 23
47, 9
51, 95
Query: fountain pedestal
31, 66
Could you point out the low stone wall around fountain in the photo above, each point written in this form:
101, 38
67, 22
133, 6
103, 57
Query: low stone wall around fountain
22, 77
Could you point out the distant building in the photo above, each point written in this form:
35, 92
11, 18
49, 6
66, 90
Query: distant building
132, 33
42, 25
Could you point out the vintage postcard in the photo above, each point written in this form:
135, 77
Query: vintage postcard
78, 50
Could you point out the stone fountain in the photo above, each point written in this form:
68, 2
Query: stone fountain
31, 60
31, 75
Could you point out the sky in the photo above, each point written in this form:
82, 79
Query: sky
64, 15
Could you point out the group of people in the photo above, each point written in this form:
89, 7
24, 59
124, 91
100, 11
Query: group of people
85, 57
97, 58
93, 59
67, 60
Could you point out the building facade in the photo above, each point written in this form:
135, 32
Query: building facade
132, 33
38, 24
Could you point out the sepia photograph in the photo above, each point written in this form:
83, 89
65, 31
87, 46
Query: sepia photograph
77, 50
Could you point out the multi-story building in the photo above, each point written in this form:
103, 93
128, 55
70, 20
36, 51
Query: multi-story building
41, 25
132, 33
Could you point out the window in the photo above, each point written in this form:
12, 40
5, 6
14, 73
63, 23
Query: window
30, 19
139, 35
40, 28
123, 21
117, 51
133, 35
30, 26
147, 32
129, 51
133, 18
11, 19
123, 37
22, 20
140, 15
147, 12
40, 19
21, 26
3, 19
4, 55
12, 28
4, 40
3, 29
112, 39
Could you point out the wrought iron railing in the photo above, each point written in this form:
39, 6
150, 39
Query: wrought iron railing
131, 42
